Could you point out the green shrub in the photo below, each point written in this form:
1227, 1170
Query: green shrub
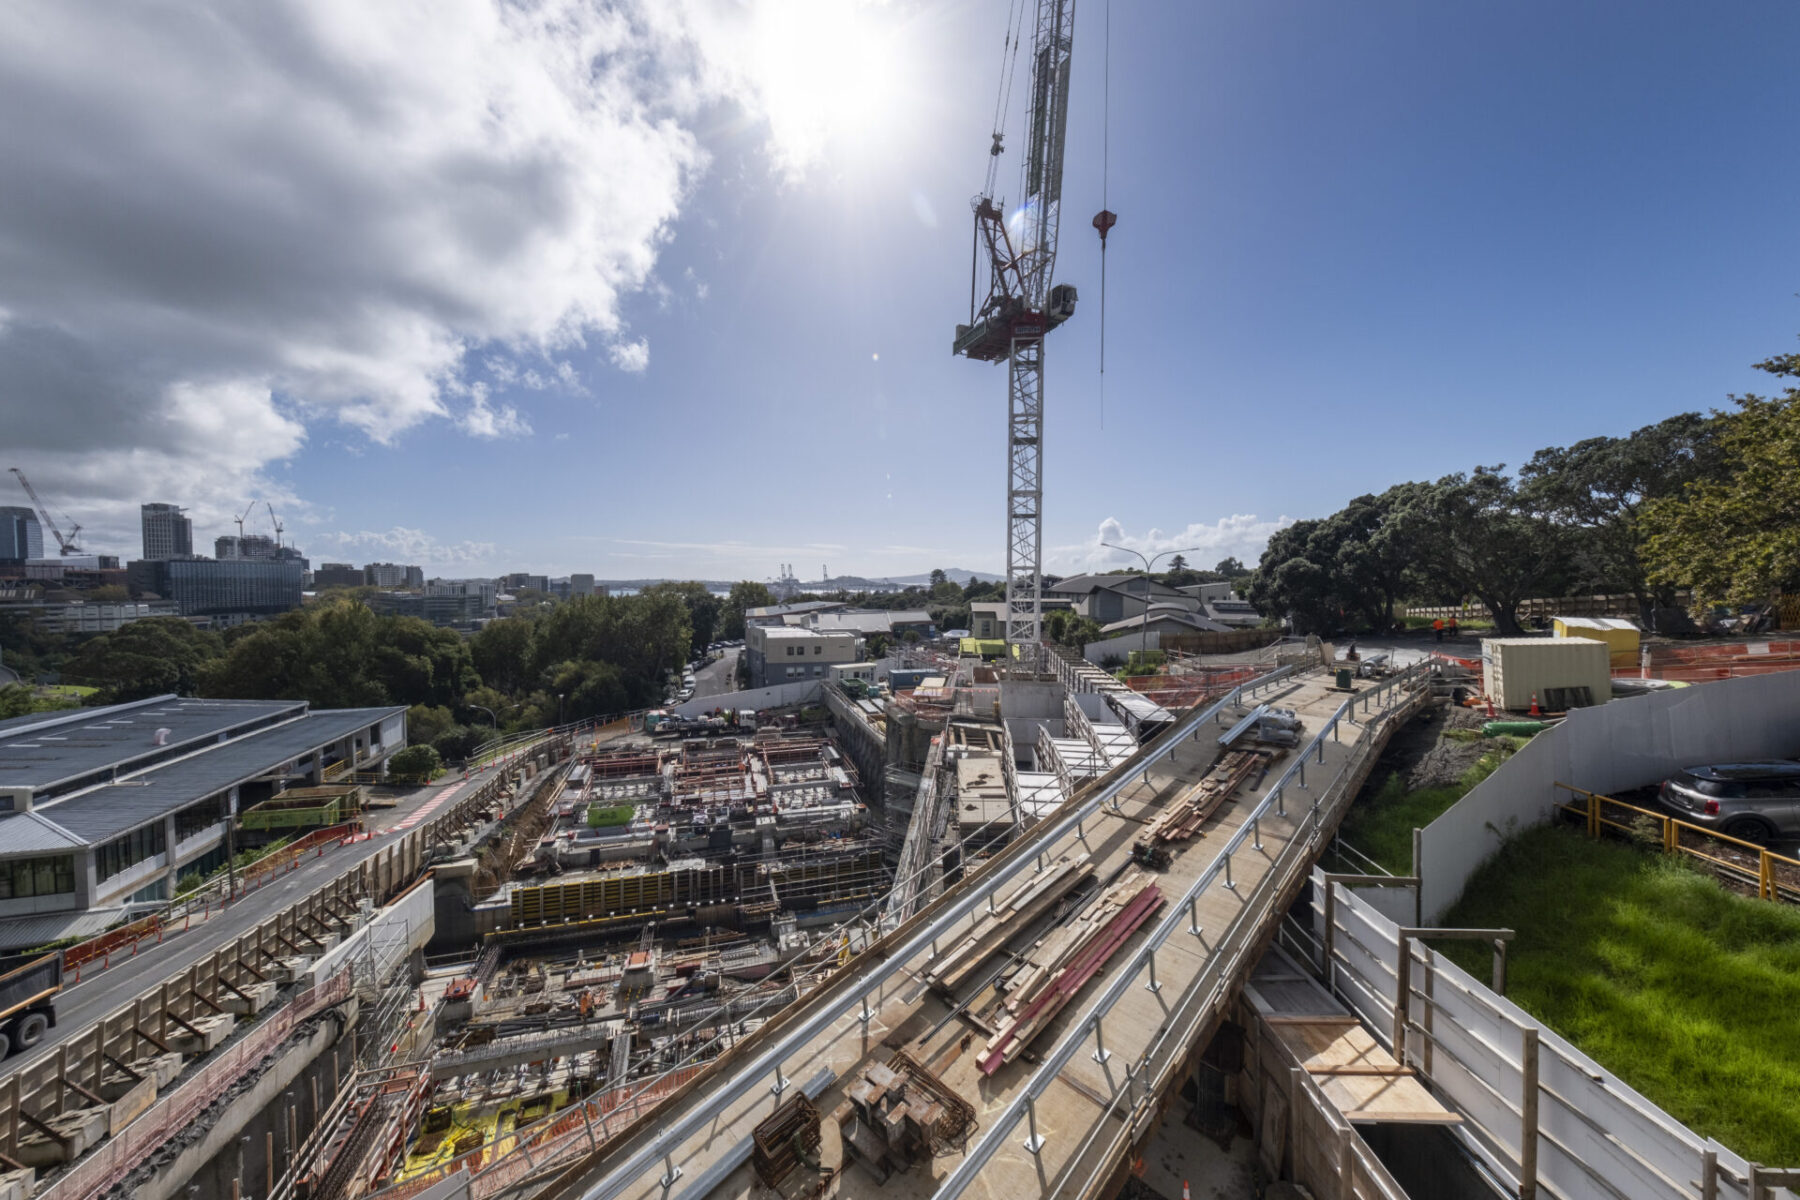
415, 762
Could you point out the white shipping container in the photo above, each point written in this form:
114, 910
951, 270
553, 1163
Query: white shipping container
1556, 670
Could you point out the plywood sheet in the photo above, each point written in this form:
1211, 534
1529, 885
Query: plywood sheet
1360, 1078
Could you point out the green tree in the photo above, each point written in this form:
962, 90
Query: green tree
1179, 563
151, 657
18, 700
1472, 536
1231, 568
704, 610
1734, 536
1597, 489
501, 653
425, 723
744, 594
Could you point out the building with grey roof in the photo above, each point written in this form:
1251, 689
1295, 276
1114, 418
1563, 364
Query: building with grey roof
102, 809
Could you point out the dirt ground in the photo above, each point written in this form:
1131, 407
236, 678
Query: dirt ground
1421, 756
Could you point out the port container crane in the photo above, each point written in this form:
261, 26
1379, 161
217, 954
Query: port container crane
1021, 306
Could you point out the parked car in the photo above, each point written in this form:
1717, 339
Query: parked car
1755, 801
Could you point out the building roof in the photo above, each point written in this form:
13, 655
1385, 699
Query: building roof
61, 748
799, 606
1081, 585
1171, 613
1596, 623
20, 933
107, 809
868, 620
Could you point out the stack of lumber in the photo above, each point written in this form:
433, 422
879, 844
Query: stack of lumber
1183, 818
1065, 960
992, 931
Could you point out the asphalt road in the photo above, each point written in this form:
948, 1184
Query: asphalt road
717, 678
102, 992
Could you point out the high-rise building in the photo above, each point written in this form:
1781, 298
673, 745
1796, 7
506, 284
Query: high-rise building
393, 575
21, 537
581, 585
167, 534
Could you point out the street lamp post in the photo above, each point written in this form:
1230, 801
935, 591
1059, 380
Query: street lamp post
1149, 566
490, 712
559, 709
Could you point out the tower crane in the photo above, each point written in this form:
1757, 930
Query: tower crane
1021, 306
67, 545
275, 521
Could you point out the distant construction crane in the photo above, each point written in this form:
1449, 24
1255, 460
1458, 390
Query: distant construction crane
67, 545
275, 521
1022, 306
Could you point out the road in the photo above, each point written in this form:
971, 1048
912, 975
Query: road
717, 678
102, 992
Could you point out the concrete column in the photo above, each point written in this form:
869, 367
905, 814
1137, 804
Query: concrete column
170, 872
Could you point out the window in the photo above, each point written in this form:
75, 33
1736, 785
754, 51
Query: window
200, 817
818, 649
125, 852
49, 876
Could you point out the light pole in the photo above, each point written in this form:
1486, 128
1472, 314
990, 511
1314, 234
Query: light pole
559, 710
490, 712
1149, 566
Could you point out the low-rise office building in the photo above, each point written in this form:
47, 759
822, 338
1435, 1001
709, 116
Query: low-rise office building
78, 616
790, 654
103, 809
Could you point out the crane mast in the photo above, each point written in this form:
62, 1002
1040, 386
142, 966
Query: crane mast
1021, 306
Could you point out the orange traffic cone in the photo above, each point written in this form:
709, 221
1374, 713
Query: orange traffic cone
1490, 706
1184, 1191
1534, 707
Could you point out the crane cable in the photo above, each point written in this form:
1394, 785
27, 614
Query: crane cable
1009, 66
1105, 219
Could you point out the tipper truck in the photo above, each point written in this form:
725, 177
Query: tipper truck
28, 988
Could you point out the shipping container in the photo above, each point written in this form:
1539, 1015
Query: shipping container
1563, 673
1620, 636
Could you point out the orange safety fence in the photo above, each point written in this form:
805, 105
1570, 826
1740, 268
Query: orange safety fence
102, 947
1699, 664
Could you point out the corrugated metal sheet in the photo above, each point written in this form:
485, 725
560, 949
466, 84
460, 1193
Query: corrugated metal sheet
20, 933
64, 746
31, 833
1515, 669
109, 810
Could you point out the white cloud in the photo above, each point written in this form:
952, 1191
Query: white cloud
630, 356
1242, 536
245, 220
413, 546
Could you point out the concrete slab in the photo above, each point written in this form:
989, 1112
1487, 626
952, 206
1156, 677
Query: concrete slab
79, 1129
213, 1030
261, 995
17, 1185
287, 970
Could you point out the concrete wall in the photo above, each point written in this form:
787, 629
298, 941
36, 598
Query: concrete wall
1622, 745
386, 941
779, 696
1121, 647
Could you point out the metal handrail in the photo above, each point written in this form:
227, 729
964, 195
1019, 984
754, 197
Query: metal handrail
1180, 916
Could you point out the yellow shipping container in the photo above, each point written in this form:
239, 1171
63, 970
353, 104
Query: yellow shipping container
1620, 636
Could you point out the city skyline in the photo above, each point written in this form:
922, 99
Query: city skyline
693, 320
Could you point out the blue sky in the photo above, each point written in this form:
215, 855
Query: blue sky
1357, 244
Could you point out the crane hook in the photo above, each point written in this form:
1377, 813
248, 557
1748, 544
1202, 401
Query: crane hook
1104, 221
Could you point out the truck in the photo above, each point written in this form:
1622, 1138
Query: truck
28, 988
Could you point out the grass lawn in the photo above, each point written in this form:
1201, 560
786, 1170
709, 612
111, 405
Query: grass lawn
603, 818
1687, 991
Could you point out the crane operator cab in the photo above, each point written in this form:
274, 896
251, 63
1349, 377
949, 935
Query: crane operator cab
1061, 306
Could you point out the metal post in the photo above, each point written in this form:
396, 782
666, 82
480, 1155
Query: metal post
1152, 986
1101, 1053
780, 1084
1228, 882
1402, 996
1034, 1143
868, 1014
1281, 801
1194, 914
1256, 832
671, 1173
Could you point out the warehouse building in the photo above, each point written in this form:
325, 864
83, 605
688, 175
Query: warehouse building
103, 809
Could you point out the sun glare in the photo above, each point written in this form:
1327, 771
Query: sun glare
829, 74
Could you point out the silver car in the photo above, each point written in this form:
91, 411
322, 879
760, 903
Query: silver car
1755, 801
